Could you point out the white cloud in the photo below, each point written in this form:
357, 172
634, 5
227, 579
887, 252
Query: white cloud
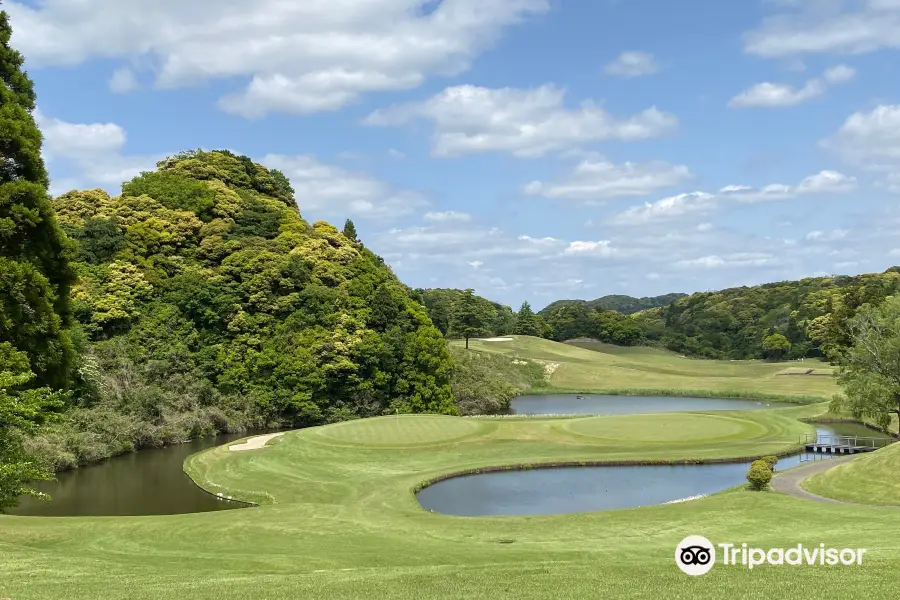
632, 64
524, 122
597, 178
823, 182
827, 236
602, 248
91, 154
475, 264
123, 80
300, 57
739, 259
331, 191
666, 209
895, 252
448, 215
775, 95
869, 139
873, 26
704, 227
839, 74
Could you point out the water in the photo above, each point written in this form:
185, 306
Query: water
148, 482
580, 489
594, 404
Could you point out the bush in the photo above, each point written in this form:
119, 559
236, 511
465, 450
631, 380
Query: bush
771, 460
759, 475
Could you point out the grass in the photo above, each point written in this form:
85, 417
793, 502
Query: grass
867, 479
339, 520
601, 368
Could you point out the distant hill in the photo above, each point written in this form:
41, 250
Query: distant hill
626, 305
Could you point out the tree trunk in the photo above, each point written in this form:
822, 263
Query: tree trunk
467, 342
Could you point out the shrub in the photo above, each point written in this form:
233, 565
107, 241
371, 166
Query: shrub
771, 460
759, 475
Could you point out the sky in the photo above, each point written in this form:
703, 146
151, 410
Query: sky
533, 150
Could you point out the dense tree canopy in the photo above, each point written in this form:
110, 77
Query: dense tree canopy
210, 303
36, 348
469, 316
625, 305
870, 368
498, 318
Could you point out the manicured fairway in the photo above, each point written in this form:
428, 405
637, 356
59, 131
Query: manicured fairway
869, 479
340, 520
605, 368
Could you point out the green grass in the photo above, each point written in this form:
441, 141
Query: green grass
339, 520
602, 368
867, 479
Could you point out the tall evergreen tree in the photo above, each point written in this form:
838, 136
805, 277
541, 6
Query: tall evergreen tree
470, 318
350, 231
35, 276
526, 324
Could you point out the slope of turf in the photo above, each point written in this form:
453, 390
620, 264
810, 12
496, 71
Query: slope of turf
867, 479
339, 520
616, 369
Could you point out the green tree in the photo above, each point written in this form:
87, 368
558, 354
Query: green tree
526, 323
470, 318
870, 370
775, 346
35, 276
350, 231
22, 410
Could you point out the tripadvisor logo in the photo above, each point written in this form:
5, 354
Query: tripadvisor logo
696, 555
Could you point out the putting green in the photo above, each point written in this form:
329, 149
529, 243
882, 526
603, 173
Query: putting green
667, 428
411, 430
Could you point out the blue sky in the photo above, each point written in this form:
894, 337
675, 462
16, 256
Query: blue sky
530, 149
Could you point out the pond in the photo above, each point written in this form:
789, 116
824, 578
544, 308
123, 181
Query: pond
595, 404
148, 482
580, 489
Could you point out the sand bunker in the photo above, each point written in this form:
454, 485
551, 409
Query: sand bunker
498, 339
255, 443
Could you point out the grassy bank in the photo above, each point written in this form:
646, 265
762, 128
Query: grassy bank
639, 370
867, 479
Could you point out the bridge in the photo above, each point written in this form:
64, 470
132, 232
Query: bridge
841, 444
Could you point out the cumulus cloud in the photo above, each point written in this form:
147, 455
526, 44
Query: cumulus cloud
448, 215
776, 95
300, 57
88, 154
739, 259
330, 191
669, 208
602, 248
701, 203
827, 236
810, 28
123, 80
870, 139
524, 122
596, 178
632, 64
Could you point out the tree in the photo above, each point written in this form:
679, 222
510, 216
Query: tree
526, 324
350, 231
775, 346
469, 316
35, 276
870, 370
22, 410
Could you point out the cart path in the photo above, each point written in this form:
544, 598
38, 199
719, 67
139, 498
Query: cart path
789, 481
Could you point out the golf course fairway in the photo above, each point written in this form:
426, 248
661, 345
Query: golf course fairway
339, 519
